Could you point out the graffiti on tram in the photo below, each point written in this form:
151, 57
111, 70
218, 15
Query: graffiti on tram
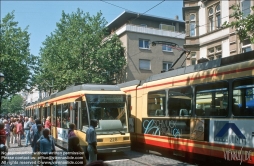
167, 127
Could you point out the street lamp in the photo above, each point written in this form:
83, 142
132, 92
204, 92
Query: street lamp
1, 77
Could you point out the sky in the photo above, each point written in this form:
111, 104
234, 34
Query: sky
41, 16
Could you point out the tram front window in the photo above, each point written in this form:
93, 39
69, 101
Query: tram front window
109, 110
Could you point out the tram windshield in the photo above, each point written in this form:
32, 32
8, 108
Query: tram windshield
109, 110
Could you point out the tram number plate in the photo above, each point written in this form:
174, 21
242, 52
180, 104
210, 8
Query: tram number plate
112, 139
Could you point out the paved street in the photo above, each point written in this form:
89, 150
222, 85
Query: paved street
22, 156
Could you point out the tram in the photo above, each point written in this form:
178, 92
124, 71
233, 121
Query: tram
204, 110
78, 104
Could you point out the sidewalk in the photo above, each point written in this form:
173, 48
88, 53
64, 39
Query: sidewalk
22, 156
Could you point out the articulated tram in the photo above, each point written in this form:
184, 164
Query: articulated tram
200, 110
78, 104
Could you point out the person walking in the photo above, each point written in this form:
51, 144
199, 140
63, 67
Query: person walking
47, 147
12, 125
20, 131
27, 126
92, 141
7, 131
75, 154
36, 144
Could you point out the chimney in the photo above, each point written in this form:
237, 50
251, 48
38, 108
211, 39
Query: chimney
177, 17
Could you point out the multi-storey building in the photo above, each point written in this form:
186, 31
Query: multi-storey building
137, 31
205, 36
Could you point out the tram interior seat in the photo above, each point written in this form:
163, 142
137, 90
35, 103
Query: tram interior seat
152, 109
184, 112
159, 112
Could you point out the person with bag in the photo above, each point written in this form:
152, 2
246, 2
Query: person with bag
75, 151
47, 147
12, 125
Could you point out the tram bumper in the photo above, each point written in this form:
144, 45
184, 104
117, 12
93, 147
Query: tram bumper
113, 148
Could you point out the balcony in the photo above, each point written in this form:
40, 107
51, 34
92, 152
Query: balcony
150, 31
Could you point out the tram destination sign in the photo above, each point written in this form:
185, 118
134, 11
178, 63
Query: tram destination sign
105, 98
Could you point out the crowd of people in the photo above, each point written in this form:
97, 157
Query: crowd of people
37, 134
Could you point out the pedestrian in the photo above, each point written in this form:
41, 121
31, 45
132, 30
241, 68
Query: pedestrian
48, 123
92, 141
7, 131
20, 131
71, 133
33, 129
75, 154
3, 148
2, 134
36, 144
47, 147
12, 125
27, 126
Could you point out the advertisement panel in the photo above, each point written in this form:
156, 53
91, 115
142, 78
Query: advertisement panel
232, 132
62, 134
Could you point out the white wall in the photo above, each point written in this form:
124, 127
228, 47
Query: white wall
202, 20
224, 11
213, 36
203, 52
225, 48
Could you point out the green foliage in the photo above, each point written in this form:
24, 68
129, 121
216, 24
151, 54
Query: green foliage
12, 105
16, 62
75, 52
243, 25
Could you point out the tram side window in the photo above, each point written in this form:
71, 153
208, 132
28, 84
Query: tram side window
243, 97
58, 115
156, 103
212, 99
84, 115
179, 101
65, 115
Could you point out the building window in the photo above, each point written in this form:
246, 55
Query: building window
246, 46
210, 14
144, 44
245, 8
144, 64
166, 48
167, 27
166, 66
214, 17
192, 25
214, 52
193, 58
218, 17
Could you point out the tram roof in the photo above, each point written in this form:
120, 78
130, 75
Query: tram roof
203, 66
194, 68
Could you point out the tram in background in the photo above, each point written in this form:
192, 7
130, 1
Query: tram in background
78, 104
203, 110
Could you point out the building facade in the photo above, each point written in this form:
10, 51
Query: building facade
137, 32
205, 36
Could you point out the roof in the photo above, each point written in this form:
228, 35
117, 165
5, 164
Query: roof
128, 15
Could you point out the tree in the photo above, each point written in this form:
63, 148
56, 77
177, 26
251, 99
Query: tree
242, 24
13, 105
16, 62
77, 52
